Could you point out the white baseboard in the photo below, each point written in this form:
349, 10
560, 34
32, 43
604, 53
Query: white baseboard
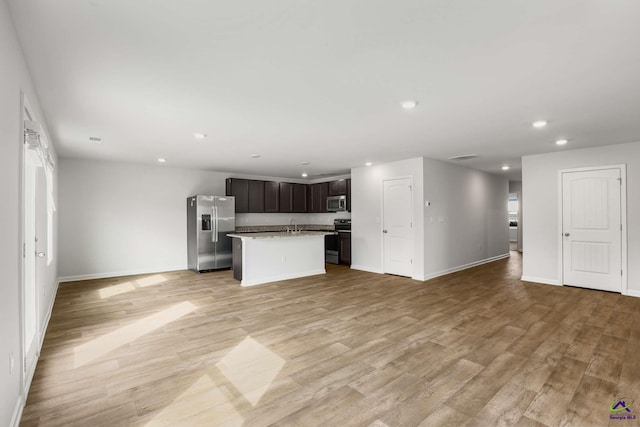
460, 267
281, 277
120, 273
367, 269
45, 325
17, 412
543, 280
633, 293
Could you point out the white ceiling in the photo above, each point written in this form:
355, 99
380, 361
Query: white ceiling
322, 81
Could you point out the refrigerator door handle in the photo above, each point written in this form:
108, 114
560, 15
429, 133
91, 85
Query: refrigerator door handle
214, 235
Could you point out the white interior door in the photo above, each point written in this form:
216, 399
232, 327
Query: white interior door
592, 229
32, 167
397, 227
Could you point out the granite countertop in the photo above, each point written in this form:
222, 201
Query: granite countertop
272, 228
277, 234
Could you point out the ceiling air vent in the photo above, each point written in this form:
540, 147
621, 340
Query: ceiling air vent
464, 157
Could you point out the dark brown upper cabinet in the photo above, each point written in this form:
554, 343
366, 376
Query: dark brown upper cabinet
286, 197
239, 188
293, 197
271, 197
299, 197
338, 188
317, 196
256, 196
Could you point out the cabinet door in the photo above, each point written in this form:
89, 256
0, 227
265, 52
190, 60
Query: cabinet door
271, 197
256, 196
338, 188
286, 197
299, 197
349, 195
239, 188
237, 258
345, 248
317, 200
324, 192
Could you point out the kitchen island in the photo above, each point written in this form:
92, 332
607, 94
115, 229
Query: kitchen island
266, 257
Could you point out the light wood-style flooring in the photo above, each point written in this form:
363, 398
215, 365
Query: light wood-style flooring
349, 348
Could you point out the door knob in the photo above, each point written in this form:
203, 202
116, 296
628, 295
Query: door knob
41, 254
566, 234
384, 231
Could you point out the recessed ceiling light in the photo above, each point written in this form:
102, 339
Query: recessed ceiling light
505, 168
409, 104
539, 124
199, 135
304, 174
305, 163
162, 160
561, 142
255, 156
95, 139
368, 164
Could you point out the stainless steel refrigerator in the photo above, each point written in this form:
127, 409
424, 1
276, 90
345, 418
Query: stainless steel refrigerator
209, 219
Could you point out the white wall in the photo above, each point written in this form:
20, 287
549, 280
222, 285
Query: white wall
465, 225
121, 218
467, 222
14, 80
366, 213
540, 181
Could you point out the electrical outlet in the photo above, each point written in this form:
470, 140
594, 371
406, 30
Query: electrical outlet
12, 363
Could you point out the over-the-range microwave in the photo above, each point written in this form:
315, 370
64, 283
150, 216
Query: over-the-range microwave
336, 203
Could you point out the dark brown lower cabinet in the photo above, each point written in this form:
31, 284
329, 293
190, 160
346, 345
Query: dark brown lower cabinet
237, 258
345, 248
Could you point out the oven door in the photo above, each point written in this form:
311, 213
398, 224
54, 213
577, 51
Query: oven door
332, 248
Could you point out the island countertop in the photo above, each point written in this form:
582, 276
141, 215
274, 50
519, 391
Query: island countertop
278, 234
272, 256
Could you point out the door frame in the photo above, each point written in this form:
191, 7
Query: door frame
413, 243
623, 220
27, 370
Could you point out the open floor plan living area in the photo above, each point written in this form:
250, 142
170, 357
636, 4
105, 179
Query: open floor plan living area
478, 347
294, 213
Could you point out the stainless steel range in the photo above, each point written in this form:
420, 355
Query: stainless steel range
332, 241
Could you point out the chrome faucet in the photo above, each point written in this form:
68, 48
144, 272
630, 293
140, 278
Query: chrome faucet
295, 226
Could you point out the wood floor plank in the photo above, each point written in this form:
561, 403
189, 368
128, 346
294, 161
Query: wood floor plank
505, 407
427, 399
349, 348
477, 392
590, 403
551, 403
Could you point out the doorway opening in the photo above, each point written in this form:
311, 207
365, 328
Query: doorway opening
514, 220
